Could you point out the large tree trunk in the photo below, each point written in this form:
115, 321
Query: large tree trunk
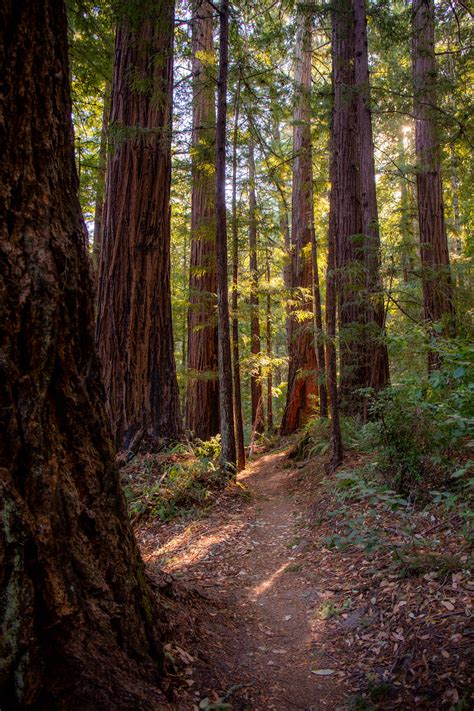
436, 275
239, 425
302, 376
134, 328
79, 625
256, 390
202, 406
376, 348
350, 265
228, 455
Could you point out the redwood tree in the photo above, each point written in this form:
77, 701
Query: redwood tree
202, 403
134, 330
79, 625
377, 353
363, 356
302, 375
436, 275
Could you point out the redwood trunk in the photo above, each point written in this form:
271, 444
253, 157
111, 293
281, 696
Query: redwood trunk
269, 345
256, 390
350, 265
134, 329
202, 405
302, 374
228, 453
79, 625
377, 353
436, 274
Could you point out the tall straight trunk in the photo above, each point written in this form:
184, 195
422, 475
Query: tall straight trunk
134, 328
285, 232
256, 390
239, 425
100, 192
436, 274
269, 346
407, 207
228, 454
302, 374
337, 453
79, 623
350, 262
202, 406
318, 326
376, 348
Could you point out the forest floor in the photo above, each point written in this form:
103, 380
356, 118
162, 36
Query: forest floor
267, 615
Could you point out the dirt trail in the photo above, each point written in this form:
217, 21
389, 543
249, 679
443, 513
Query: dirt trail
256, 635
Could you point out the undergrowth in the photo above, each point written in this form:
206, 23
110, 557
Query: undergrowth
179, 482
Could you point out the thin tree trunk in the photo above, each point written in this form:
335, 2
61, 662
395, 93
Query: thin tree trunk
239, 426
134, 327
376, 348
269, 346
228, 456
302, 376
101, 168
79, 624
407, 247
285, 231
337, 454
256, 390
202, 404
318, 327
436, 273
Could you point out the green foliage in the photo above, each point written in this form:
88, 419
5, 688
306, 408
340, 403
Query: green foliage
421, 427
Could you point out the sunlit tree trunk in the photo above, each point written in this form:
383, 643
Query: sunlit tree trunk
436, 275
134, 330
376, 349
256, 390
269, 346
302, 376
202, 406
228, 455
99, 197
79, 625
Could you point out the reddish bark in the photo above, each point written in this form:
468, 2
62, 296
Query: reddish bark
228, 452
377, 353
134, 329
436, 273
202, 404
256, 390
79, 625
302, 376
269, 345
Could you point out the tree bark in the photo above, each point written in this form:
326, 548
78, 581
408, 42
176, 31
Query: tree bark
377, 353
347, 222
134, 326
436, 274
228, 452
202, 407
302, 373
256, 390
79, 625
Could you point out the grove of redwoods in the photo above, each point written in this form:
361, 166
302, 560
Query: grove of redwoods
217, 219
